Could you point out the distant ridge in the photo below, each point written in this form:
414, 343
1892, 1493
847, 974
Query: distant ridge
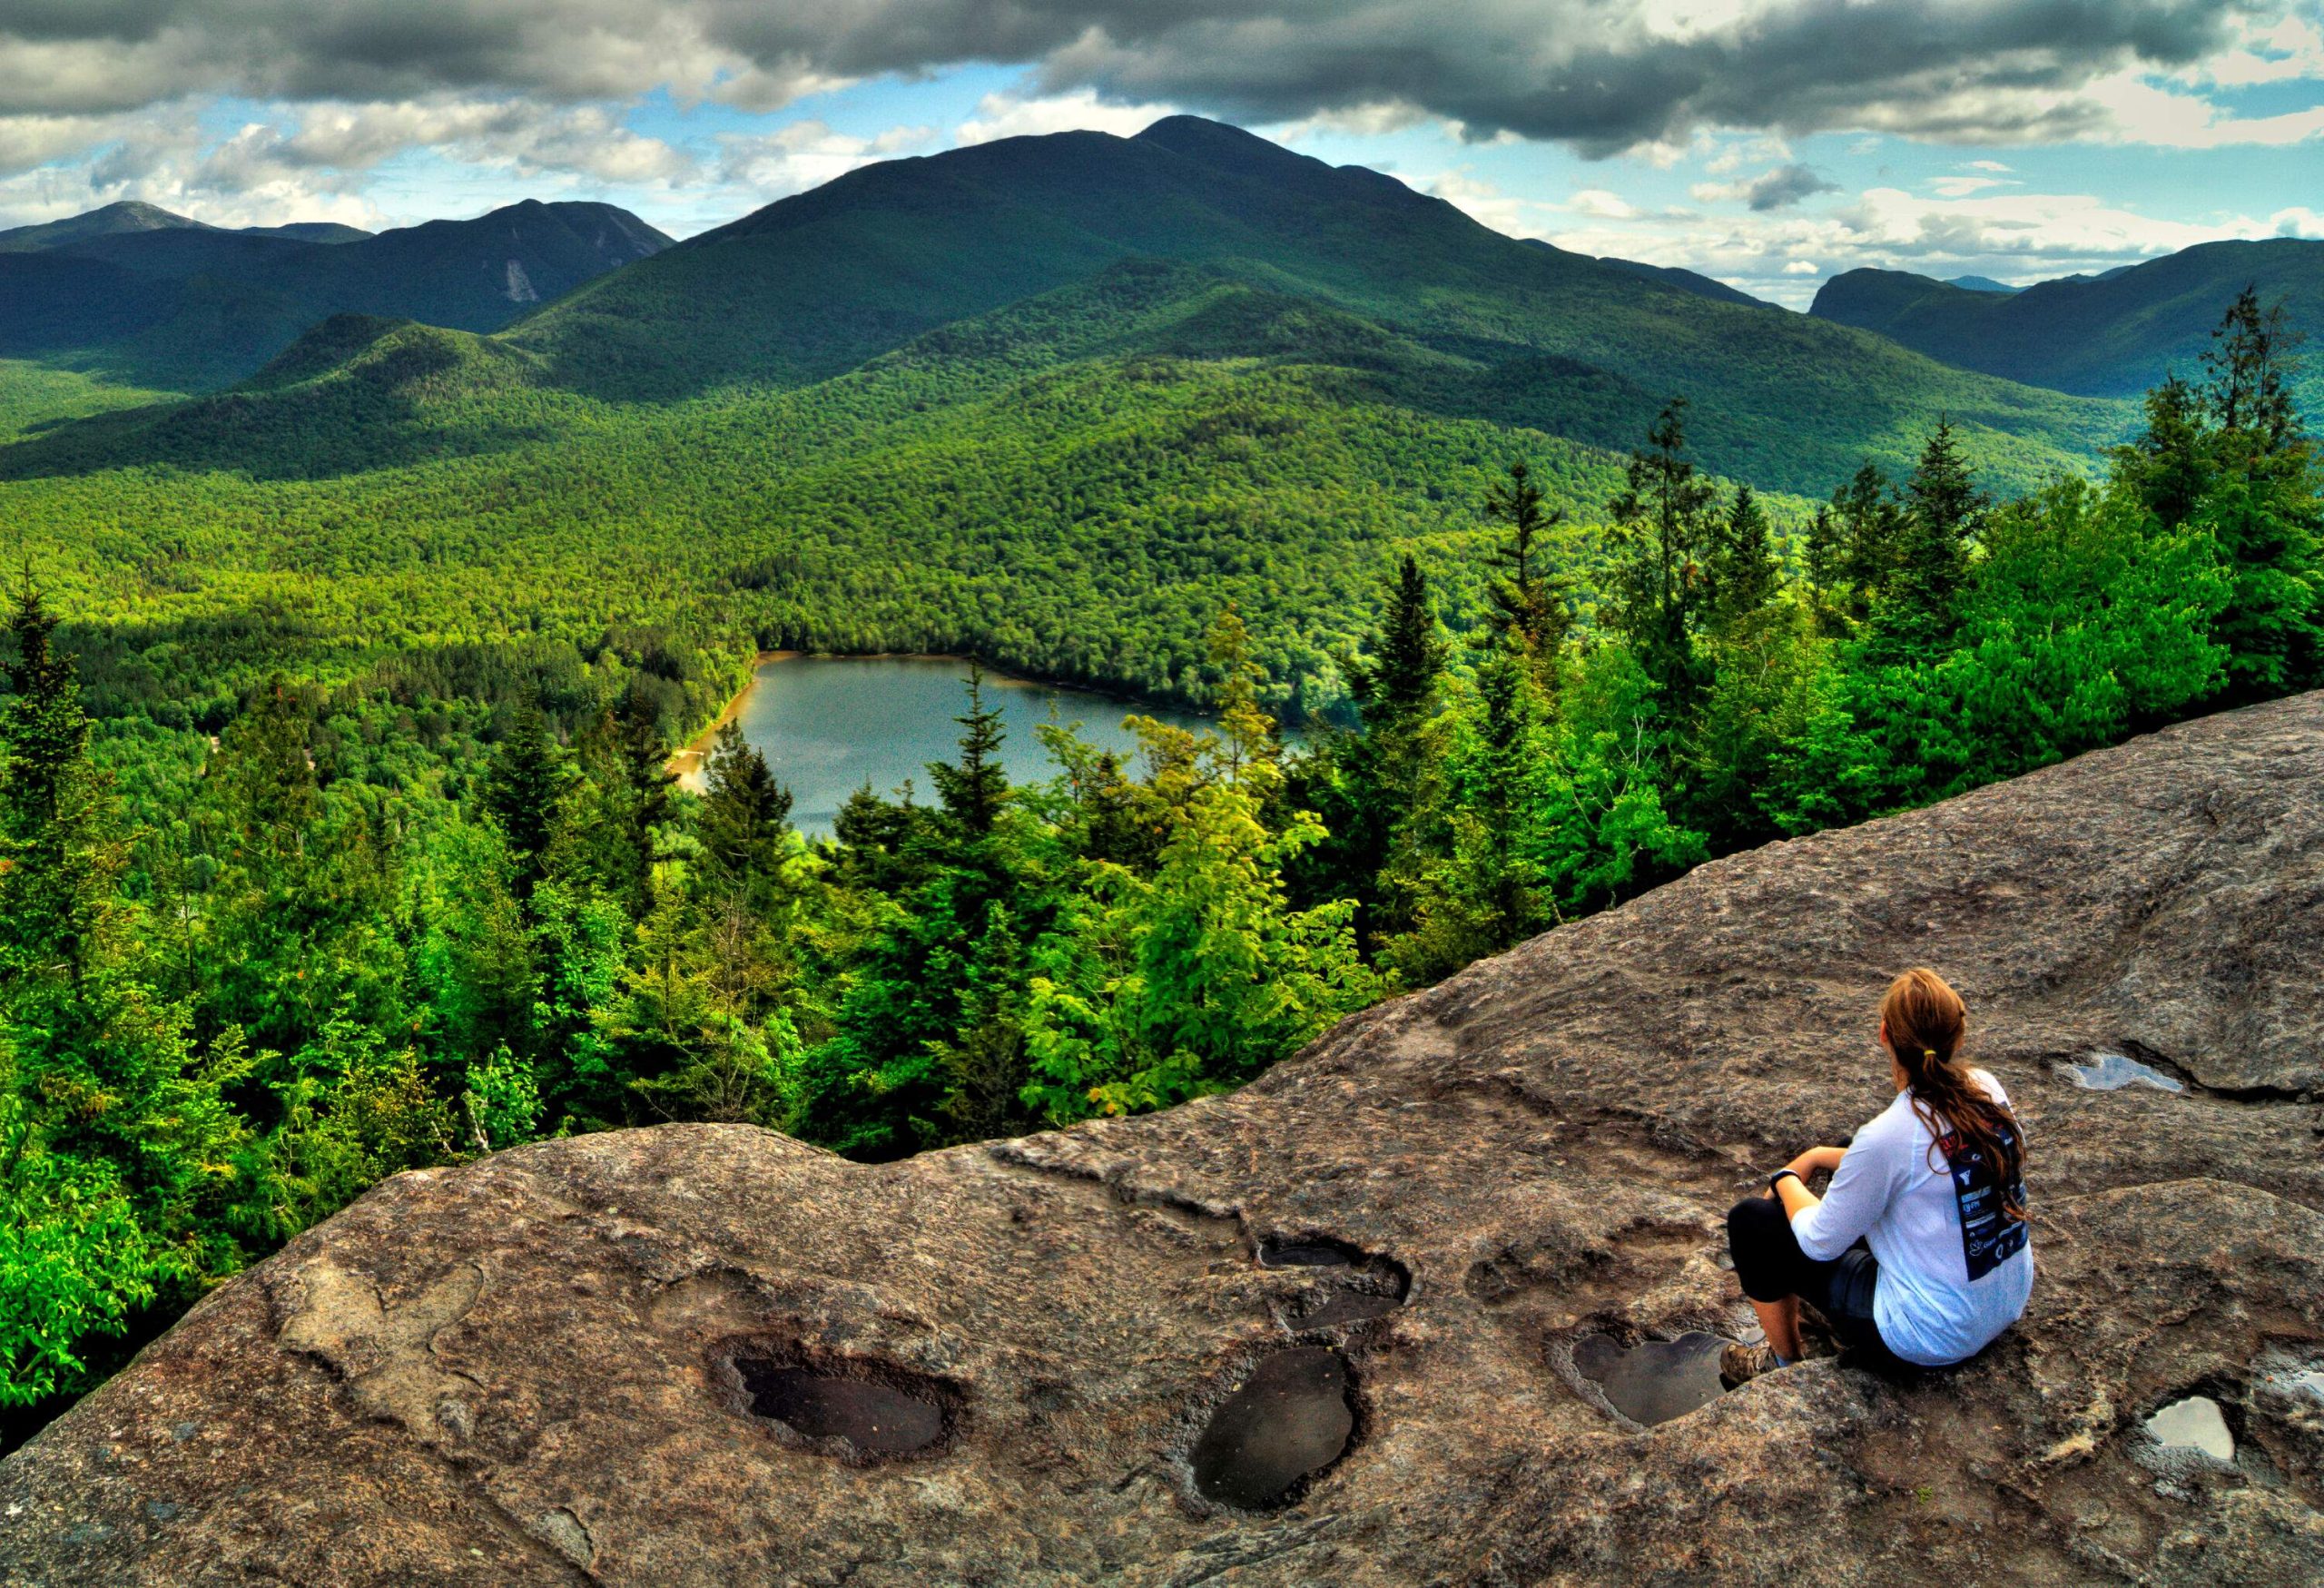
1980, 284
2110, 335
112, 220
174, 303
814, 285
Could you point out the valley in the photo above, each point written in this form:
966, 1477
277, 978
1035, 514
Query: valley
1475, 586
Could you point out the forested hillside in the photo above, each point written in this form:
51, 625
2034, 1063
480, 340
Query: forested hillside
336, 833
268, 935
142, 297
2102, 336
814, 285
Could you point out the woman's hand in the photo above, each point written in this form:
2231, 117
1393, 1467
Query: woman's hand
1816, 1157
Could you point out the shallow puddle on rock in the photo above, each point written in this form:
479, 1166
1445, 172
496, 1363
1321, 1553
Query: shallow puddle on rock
1304, 1253
2310, 1383
2194, 1424
1291, 1418
2113, 1072
1654, 1380
877, 1419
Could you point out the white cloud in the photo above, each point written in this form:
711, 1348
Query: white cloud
807, 154
1482, 201
2012, 234
1961, 187
1003, 115
2141, 111
1600, 204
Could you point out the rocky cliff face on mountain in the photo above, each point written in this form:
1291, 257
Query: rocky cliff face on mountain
1418, 1306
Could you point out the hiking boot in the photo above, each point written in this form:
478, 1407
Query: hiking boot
1739, 1363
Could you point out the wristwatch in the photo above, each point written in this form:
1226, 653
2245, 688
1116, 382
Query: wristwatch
1779, 1175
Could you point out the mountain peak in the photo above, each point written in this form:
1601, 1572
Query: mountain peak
114, 219
1217, 143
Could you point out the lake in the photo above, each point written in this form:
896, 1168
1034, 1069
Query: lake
829, 725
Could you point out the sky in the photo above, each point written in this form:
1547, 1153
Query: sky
1770, 144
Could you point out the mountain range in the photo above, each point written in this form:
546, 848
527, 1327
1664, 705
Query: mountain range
1415, 302
2110, 335
155, 298
1048, 399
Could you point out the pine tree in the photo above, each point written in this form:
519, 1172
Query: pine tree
1920, 609
47, 894
1371, 786
524, 790
1399, 685
1248, 749
112, 1138
2249, 368
1743, 573
608, 841
745, 812
2171, 465
1824, 560
1870, 523
1527, 605
974, 789
2263, 507
1662, 532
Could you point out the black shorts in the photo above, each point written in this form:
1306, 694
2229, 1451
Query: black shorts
1770, 1265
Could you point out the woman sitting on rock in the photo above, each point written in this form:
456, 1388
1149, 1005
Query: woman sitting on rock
1916, 1253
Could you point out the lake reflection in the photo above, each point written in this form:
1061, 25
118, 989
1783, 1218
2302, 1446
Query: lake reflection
829, 725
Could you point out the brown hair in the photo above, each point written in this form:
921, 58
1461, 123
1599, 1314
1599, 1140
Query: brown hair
1925, 1021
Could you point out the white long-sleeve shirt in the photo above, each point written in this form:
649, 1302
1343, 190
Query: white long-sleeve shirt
1954, 1273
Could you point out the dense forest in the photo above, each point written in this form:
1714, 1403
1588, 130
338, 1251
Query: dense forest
266, 939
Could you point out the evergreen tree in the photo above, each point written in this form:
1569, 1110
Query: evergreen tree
1372, 788
115, 1144
1824, 563
49, 892
1248, 749
745, 813
2248, 368
609, 843
1920, 607
1527, 604
524, 789
1743, 573
2171, 465
2262, 508
1870, 525
974, 788
1399, 685
1662, 532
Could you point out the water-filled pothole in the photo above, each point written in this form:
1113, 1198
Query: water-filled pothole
844, 1413
1654, 1380
1291, 1419
2195, 1423
1351, 1286
2113, 1072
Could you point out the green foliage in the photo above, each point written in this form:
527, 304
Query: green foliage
432, 892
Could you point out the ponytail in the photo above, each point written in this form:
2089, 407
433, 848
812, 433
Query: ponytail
1925, 1021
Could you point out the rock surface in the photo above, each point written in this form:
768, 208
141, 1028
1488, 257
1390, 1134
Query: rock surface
524, 1370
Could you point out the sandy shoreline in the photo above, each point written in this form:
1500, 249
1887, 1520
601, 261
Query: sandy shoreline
686, 764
